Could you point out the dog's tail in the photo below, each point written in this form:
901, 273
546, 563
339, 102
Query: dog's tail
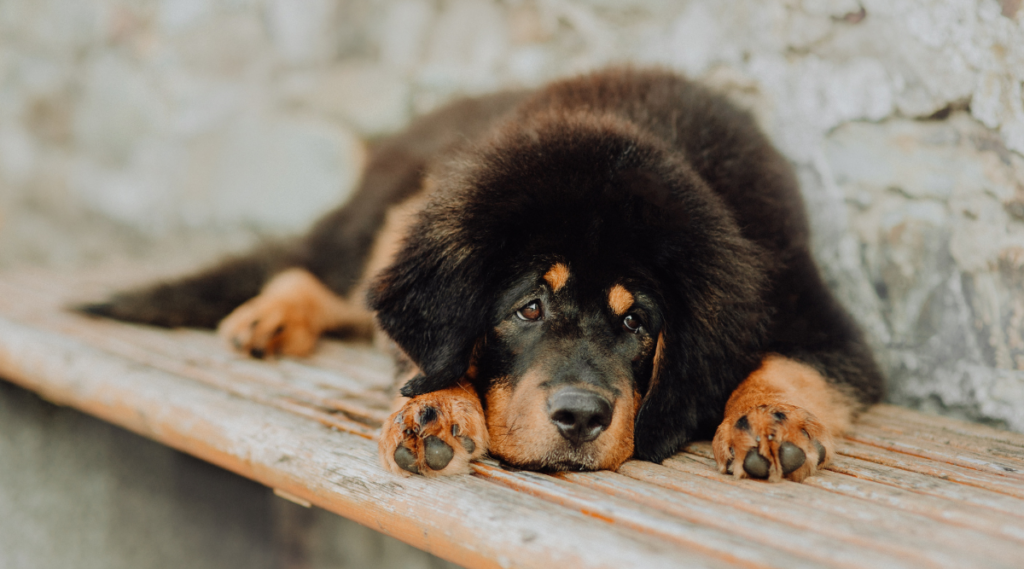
200, 300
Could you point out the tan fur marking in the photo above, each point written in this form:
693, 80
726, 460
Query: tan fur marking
517, 421
387, 244
521, 432
557, 276
389, 240
289, 315
615, 445
782, 380
659, 353
813, 410
620, 299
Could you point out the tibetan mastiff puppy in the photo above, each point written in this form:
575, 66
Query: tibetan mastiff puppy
604, 268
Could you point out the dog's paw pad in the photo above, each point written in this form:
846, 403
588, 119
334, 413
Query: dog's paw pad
755, 465
791, 457
437, 453
406, 460
772, 442
434, 434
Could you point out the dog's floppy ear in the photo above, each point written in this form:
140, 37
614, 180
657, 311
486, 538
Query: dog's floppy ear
715, 324
710, 342
430, 301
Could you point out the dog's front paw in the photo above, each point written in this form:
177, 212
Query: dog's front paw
772, 442
435, 434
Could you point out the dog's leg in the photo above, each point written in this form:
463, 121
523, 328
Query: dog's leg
342, 252
201, 299
781, 422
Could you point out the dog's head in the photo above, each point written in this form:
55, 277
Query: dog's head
588, 281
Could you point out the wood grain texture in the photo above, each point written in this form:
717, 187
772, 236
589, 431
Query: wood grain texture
662, 489
466, 520
905, 490
884, 508
893, 415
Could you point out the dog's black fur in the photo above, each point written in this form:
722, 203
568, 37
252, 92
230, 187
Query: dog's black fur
638, 177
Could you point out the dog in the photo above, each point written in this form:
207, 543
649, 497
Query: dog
601, 269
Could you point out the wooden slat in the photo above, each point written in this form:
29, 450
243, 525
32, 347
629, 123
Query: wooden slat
344, 401
907, 490
466, 520
932, 477
1012, 454
880, 505
895, 416
841, 544
688, 524
907, 443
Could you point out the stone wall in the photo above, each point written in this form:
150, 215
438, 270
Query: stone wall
904, 119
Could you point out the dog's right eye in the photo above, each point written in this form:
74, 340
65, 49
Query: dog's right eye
530, 312
631, 323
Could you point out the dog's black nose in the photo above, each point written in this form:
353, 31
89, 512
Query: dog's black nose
580, 415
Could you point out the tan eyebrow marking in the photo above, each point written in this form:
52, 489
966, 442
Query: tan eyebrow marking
620, 299
557, 276
659, 354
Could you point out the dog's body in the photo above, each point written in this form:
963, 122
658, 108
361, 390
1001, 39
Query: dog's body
604, 268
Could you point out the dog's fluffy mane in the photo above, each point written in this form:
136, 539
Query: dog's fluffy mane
609, 196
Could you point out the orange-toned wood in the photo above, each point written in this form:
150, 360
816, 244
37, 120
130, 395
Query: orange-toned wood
687, 526
909, 442
883, 507
903, 470
904, 467
1012, 454
465, 520
900, 416
904, 490
657, 487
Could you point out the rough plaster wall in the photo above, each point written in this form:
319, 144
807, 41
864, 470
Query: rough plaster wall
904, 118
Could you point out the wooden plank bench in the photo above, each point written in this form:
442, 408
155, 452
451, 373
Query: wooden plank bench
908, 490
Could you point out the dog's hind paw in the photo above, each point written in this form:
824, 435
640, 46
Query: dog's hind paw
436, 434
266, 326
287, 317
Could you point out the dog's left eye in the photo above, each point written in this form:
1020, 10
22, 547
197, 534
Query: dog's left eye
631, 323
530, 312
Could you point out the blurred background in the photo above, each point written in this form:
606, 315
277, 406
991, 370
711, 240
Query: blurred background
136, 132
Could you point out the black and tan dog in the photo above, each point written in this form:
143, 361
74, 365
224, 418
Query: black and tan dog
602, 269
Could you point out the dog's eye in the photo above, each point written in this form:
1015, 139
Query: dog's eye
530, 312
631, 323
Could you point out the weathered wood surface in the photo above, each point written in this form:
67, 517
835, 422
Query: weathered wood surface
908, 490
